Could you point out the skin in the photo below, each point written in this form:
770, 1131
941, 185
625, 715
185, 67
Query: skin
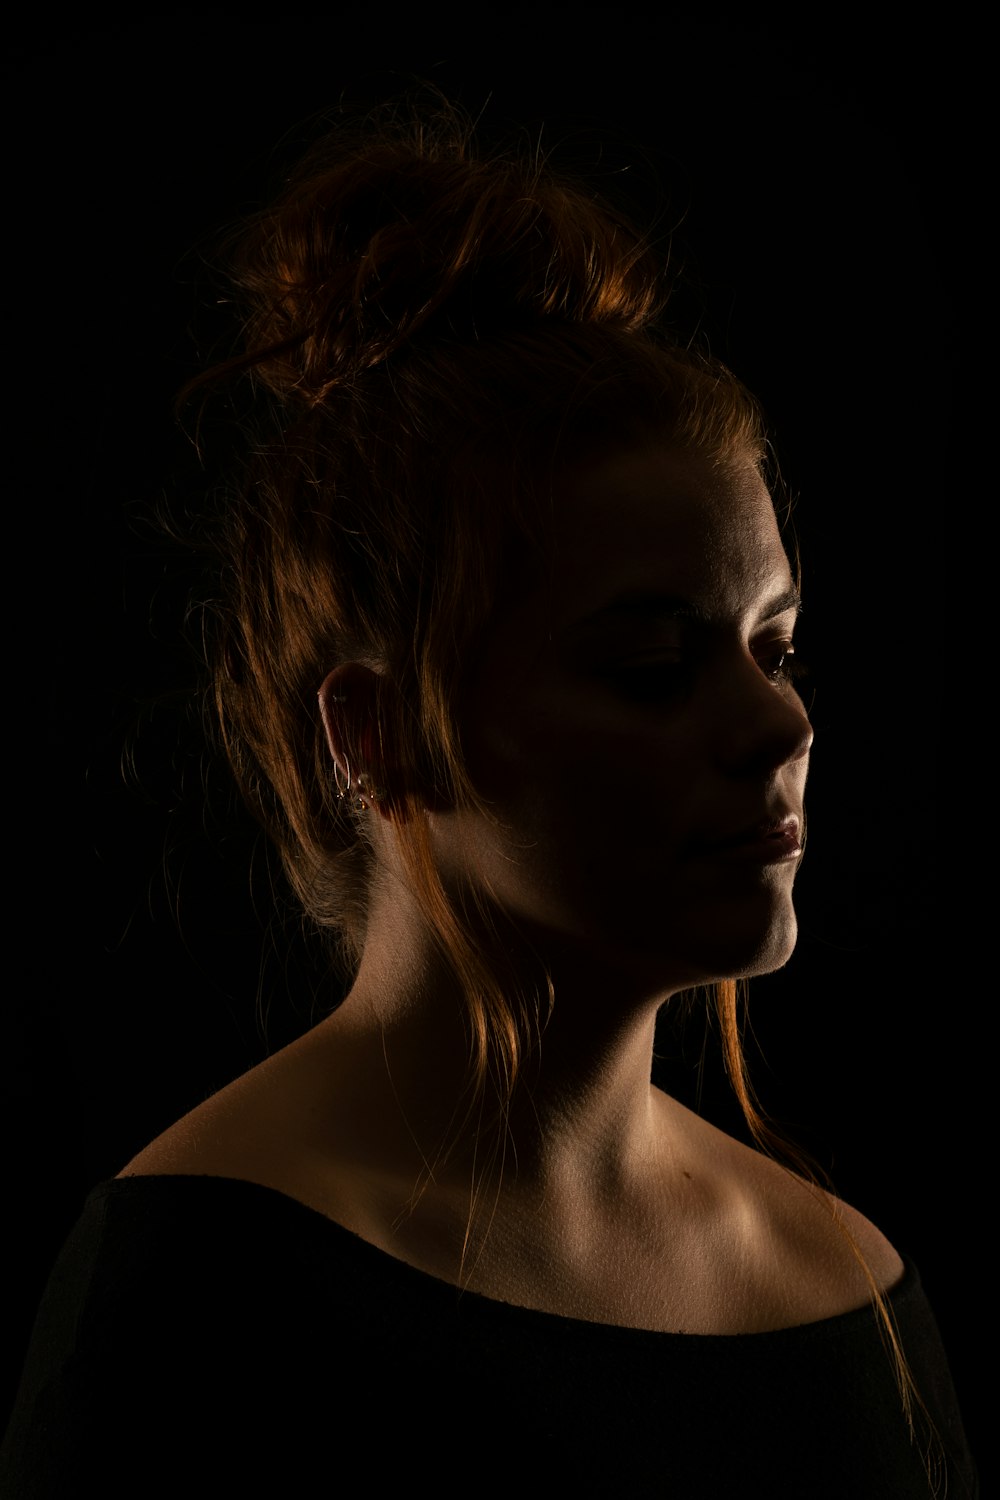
621, 751
613, 741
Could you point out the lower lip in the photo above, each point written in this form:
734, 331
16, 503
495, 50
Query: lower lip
776, 849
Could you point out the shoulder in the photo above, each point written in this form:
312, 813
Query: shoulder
796, 1252
832, 1258
207, 1141
879, 1256
267, 1129
174, 1303
239, 1131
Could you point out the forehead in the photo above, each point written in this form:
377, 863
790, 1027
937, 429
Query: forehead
656, 521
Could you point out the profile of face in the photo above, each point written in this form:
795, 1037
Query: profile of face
633, 730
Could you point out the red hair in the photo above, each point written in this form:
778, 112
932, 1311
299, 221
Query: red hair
433, 333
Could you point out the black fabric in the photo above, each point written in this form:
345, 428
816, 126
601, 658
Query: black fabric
204, 1335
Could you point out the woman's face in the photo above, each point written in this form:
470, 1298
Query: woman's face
632, 726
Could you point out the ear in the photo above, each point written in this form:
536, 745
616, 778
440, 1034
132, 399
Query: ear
348, 703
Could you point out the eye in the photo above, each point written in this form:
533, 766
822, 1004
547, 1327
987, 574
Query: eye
779, 662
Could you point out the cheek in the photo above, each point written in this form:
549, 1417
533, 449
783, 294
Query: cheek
578, 761
591, 814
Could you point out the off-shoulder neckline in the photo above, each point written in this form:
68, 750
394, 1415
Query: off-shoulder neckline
479, 1304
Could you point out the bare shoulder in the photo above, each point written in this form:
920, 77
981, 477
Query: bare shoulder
880, 1256
204, 1142
240, 1131
797, 1253
270, 1127
831, 1253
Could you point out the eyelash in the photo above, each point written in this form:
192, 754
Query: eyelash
789, 667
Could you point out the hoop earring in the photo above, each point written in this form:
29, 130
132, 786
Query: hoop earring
343, 792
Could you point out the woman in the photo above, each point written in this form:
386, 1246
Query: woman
506, 668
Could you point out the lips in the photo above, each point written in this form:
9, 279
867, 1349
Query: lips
770, 840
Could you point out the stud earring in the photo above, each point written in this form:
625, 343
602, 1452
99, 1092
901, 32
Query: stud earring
366, 795
355, 792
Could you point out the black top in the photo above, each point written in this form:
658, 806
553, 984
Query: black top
201, 1335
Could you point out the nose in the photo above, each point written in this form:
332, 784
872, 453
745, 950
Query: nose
767, 726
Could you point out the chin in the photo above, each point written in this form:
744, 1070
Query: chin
771, 951
772, 956
731, 953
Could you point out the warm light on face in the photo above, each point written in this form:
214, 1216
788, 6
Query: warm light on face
634, 727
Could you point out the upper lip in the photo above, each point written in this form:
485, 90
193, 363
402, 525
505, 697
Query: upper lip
778, 825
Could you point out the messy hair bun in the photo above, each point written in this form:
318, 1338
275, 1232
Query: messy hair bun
406, 237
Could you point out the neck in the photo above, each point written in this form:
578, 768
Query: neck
581, 1106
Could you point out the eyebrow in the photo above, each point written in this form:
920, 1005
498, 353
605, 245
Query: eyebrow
650, 606
791, 599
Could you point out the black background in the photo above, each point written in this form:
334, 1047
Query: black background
813, 175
